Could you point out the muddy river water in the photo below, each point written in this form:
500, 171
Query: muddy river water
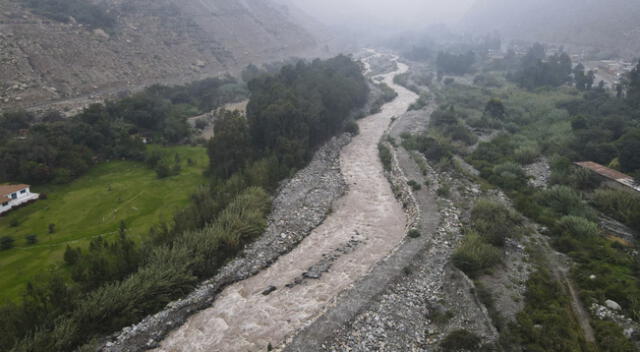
367, 220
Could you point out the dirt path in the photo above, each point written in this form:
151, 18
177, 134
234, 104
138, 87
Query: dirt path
559, 269
364, 227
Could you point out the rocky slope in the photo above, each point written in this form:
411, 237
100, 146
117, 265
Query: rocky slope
611, 24
167, 41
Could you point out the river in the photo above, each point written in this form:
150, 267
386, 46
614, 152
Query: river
365, 226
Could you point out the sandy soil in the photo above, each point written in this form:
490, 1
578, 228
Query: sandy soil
243, 319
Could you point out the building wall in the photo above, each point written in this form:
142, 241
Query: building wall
3, 209
21, 198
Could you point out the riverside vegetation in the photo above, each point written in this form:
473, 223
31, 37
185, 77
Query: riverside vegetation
538, 107
113, 283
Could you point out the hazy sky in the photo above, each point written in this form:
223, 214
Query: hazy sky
389, 12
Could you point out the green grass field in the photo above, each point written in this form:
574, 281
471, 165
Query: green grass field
94, 205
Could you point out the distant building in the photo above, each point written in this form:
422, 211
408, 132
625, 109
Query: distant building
12, 196
612, 178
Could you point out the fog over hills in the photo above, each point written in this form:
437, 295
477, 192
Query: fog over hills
611, 25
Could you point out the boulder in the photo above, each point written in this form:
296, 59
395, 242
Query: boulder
613, 305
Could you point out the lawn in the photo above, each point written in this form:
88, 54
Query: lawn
94, 205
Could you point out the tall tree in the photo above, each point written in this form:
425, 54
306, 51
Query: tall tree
229, 149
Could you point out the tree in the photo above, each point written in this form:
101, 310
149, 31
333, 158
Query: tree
229, 149
633, 91
52, 228
71, 255
495, 108
629, 149
536, 71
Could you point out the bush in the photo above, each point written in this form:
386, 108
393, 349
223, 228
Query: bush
414, 233
14, 223
494, 221
444, 191
461, 340
565, 201
577, 227
31, 239
6, 243
352, 128
509, 175
527, 154
623, 206
385, 156
414, 185
475, 256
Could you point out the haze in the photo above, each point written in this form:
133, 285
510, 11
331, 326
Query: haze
397, 13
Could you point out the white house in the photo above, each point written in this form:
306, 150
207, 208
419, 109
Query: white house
12, 196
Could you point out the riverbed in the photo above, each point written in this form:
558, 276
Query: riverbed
364, 227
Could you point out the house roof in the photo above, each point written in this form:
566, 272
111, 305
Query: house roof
6, 190
610, 174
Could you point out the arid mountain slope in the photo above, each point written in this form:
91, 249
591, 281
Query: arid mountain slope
153, 41
611, 25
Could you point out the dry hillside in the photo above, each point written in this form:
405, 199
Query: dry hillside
44, 60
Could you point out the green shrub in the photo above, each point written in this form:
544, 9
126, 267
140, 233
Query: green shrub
475, 256
610, 337
352, 128
414, 233
31, 239
547, 322
6, 242
461, 340
527, 154
494, 221
444, 190
509, 175
385, 156
623, 206
414, 185
577, 227
565, 201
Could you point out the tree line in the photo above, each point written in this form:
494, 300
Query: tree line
52, 148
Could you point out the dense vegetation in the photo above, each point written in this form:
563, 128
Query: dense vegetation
50, 148
541, 106
113, 283
82, 11
538, 70
290, 115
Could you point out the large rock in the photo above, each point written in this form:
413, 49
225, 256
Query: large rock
612, 305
